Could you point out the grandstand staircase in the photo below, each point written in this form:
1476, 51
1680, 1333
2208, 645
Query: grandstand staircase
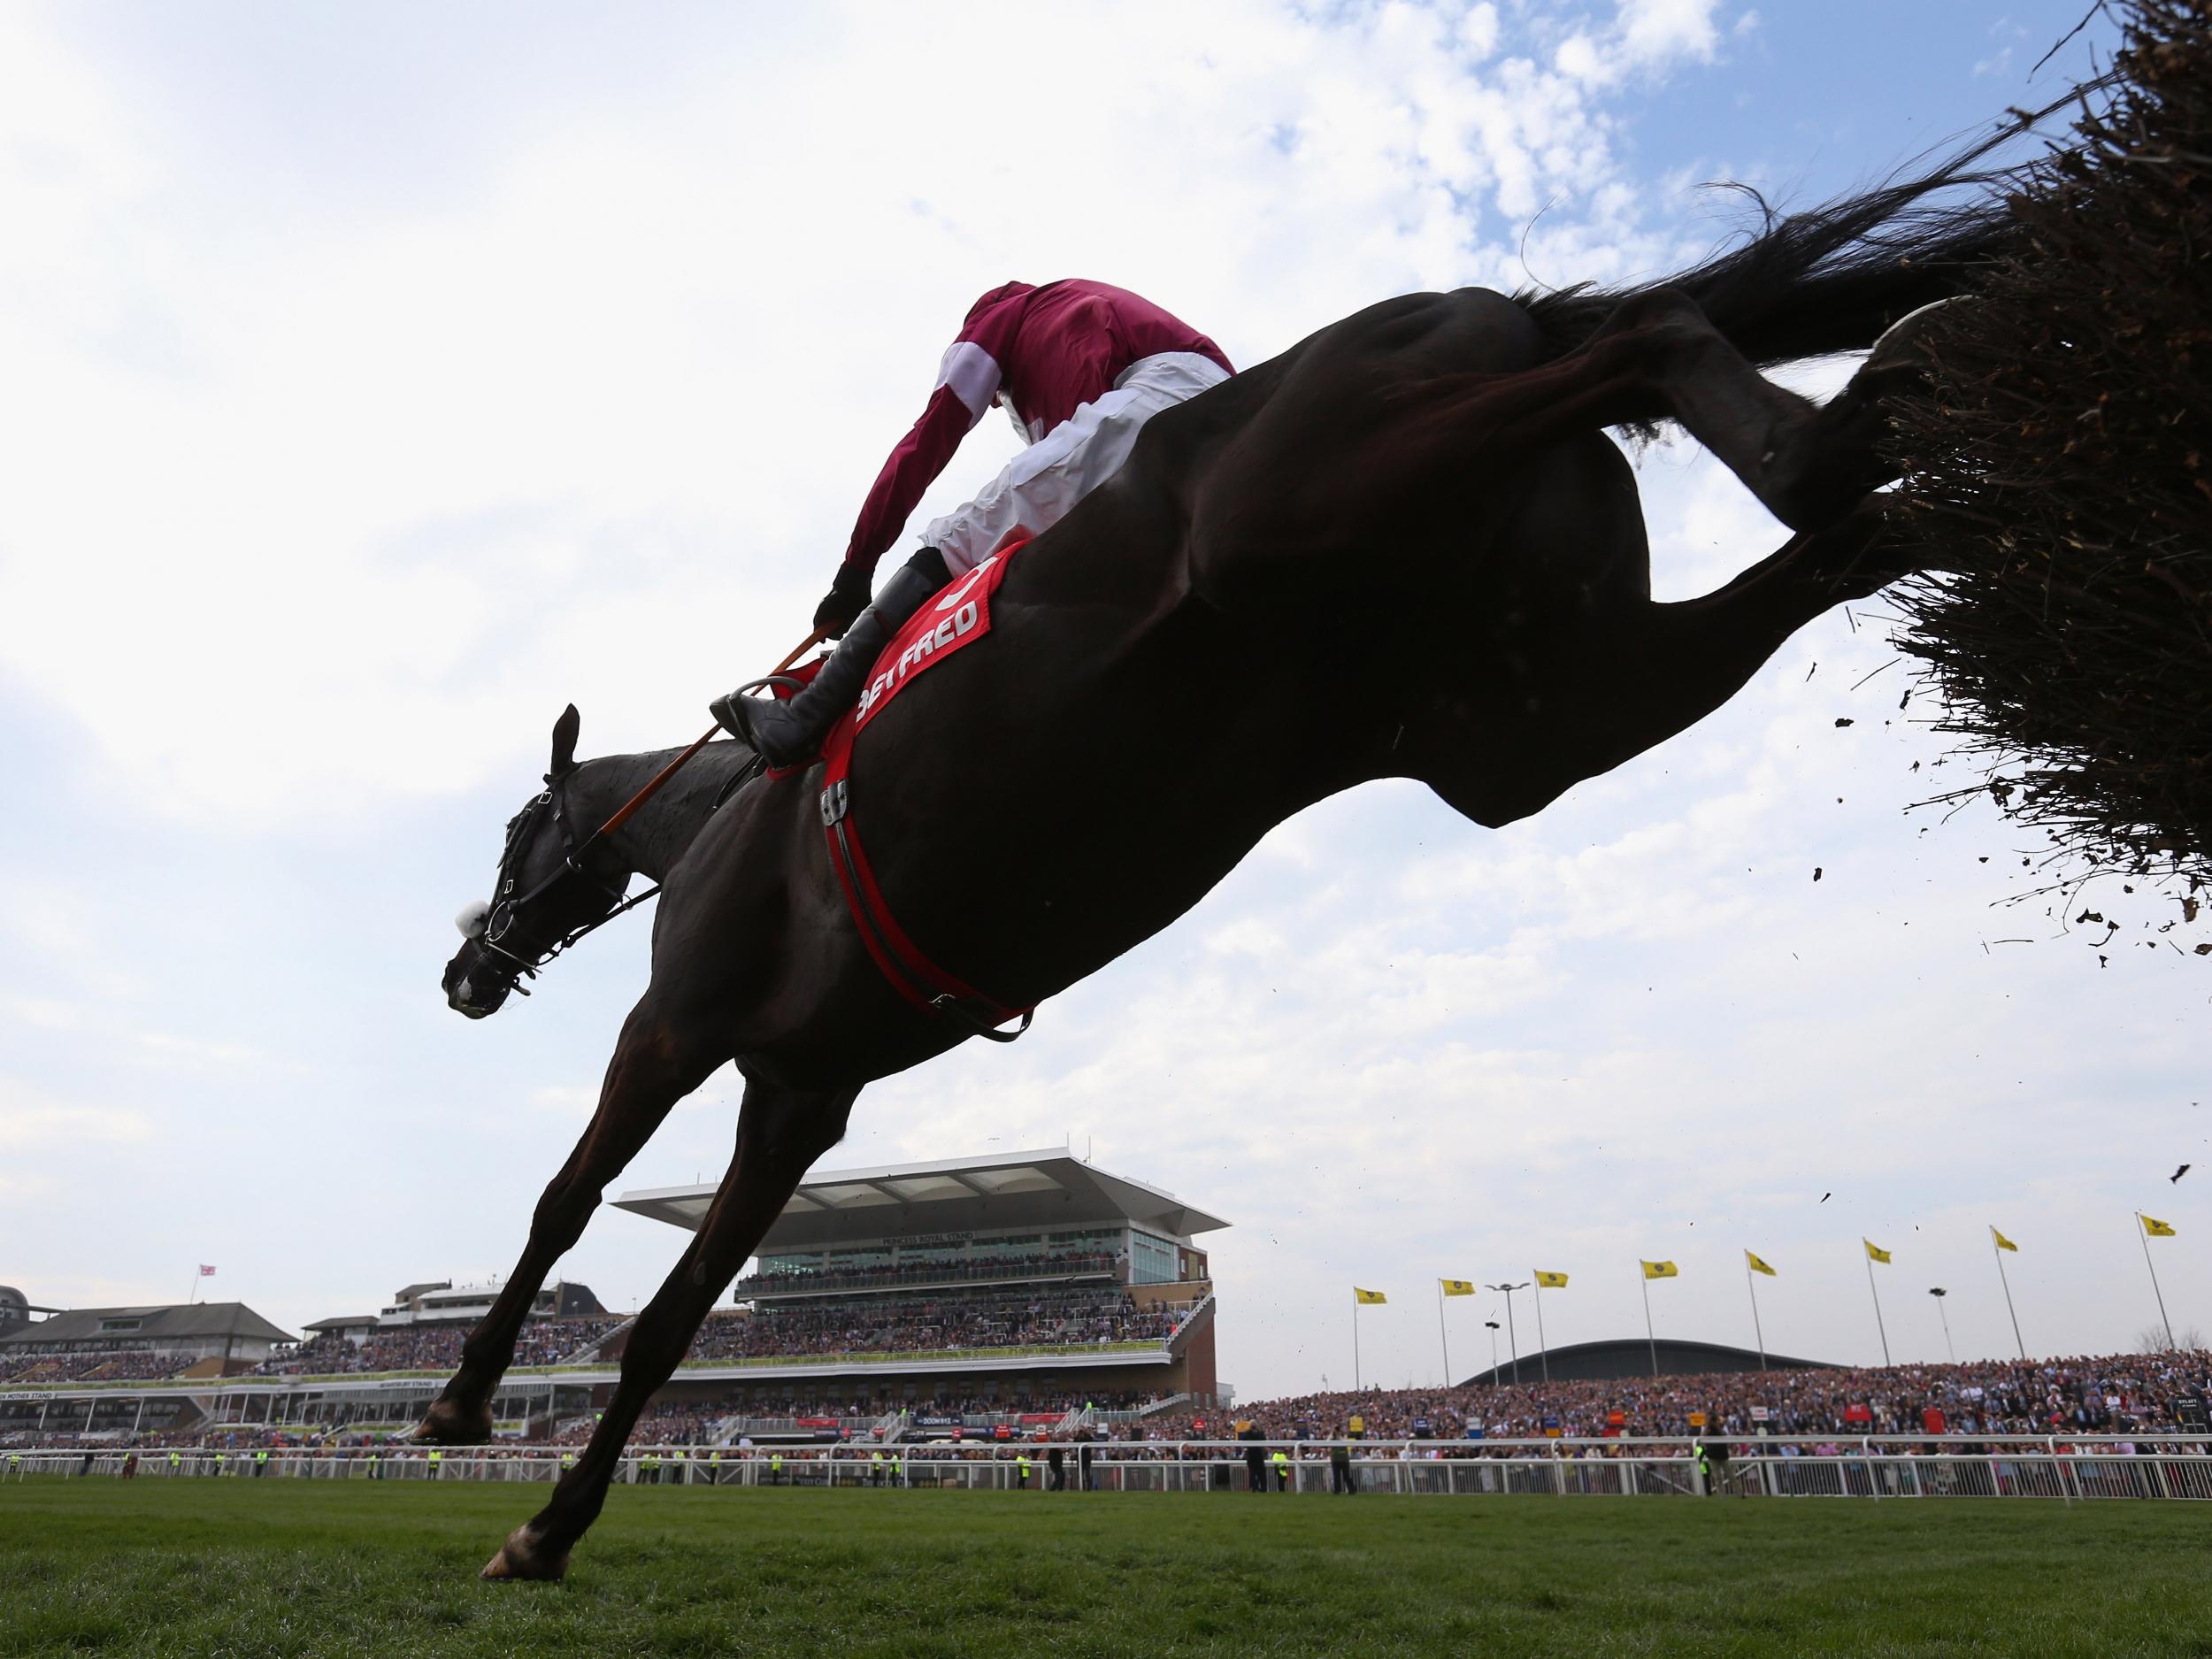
889, 1427
585, 1355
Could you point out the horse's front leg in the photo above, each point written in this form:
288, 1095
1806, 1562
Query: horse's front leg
1654, 668
654, 1066
780, 1131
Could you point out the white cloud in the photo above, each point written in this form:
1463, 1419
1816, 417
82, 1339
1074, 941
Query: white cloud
30, 1119
366, 495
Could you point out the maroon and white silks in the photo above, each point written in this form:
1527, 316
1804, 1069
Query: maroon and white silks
1083, 365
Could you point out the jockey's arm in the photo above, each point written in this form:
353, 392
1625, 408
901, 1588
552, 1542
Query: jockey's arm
967, 381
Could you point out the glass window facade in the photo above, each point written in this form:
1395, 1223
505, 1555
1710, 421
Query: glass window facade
1151, 1259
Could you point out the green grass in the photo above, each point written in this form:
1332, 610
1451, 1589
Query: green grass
244, 1569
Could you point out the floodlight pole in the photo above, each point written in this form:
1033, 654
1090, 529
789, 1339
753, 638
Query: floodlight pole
1513, 1341
1939, 1292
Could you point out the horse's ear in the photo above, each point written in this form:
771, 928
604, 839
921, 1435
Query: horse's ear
564, 730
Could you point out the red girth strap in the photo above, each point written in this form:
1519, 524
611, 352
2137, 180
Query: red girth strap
913, 975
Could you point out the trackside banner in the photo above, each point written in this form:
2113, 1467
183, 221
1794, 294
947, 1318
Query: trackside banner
958, 617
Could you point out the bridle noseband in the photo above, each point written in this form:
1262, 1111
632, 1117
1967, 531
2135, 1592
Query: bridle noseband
516, 963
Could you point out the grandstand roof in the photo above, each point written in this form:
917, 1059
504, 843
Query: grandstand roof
188, 1321
1048, 1188
1631, 1356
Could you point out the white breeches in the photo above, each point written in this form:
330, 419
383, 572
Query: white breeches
1041, 483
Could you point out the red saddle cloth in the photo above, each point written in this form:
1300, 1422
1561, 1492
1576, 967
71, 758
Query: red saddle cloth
955, 620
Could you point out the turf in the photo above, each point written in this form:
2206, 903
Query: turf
244, 1569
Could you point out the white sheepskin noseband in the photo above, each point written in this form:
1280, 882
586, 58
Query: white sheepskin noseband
473, 917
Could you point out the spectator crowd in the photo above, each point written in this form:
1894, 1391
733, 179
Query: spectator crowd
1042, 1319
2105, 1394
433, 1348
131, 1366
924, 1271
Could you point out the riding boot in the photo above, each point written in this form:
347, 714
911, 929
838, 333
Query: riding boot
789, 731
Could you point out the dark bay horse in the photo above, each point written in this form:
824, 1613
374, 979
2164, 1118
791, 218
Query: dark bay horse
1425, 489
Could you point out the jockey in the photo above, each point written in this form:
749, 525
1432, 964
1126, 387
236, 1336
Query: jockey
1080, 366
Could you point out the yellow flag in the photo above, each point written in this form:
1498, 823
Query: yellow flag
1874, 1252
1367, 1298
1457, 1286
1758, 1266
2003, 1243
1660, 1270
1550, 1281
2156, 1228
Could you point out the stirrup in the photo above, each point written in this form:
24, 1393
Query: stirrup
723, 708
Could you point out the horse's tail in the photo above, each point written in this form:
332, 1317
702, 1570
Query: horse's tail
1830, 278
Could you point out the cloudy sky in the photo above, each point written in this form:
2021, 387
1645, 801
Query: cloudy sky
374, 381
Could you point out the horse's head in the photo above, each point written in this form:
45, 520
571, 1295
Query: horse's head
553, 884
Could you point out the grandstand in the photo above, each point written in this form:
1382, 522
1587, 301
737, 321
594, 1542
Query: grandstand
992, 1294
988, 1297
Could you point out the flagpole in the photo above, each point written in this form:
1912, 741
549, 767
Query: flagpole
194, 1296
1752, 1286
1442, 1336
1650, 1336
1543, 1349
1355, 1341
2143, 1235
2007, 1283
1877, 1302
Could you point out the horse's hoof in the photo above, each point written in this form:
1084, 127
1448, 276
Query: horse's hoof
1898, 348
522, 1558
446, 1424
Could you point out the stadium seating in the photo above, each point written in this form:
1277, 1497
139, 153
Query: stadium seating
1067, 1316
137, 1366
433, 1347
924, 1271
2098, 1394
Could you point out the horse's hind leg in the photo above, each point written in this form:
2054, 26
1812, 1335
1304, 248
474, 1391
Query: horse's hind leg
1809, 464
1658, 357
653, 1067
780, 1132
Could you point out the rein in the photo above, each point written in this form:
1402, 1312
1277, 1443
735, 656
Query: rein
505, 904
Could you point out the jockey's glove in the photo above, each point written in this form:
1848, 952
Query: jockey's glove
848, 598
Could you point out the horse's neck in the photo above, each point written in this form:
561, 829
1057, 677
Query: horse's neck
653, 839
